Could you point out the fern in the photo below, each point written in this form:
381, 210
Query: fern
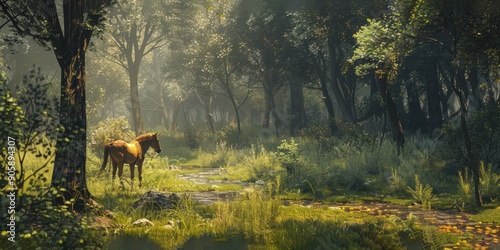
421, 193
465, 187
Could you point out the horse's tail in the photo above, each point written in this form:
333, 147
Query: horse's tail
105, 161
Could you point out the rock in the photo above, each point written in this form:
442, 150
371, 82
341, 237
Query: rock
173, 167
142, 222
260, 183
157, 200
169, 227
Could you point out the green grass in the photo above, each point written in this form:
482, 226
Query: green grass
490, 213
336, 173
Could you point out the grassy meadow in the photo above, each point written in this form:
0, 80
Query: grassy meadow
284, 180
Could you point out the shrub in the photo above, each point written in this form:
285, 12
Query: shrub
110, 130
41, 224
490, 183
421, 193
192, 137
288, 155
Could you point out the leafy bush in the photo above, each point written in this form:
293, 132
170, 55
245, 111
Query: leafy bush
110, 130
32, 121
288, 154
192, 137
41, 224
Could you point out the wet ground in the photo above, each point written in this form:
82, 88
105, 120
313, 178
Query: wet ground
208, 198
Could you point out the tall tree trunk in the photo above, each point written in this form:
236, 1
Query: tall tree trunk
390, 105
209, 112
297, 108
236, 111
329, 106
474, 161
321, 70
134, 101
337, 83
164, 111
268, 95
175, 116
433, 100
69, 166
416, 116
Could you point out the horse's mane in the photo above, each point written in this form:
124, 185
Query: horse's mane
144, 137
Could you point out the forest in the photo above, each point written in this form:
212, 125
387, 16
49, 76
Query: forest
270, 124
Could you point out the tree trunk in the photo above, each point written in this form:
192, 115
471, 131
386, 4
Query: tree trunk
416, 116
321, 70
340, 90
297, 109
396, 127
69, 166
175, 116
209, 112
433, 100
134, 101
474, 161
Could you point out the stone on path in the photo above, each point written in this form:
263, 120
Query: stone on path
142, 222
152, 199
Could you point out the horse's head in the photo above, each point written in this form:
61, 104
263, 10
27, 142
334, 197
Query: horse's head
155, 144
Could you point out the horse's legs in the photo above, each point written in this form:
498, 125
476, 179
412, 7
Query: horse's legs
139, 173
132, 175
120, 172
114, 173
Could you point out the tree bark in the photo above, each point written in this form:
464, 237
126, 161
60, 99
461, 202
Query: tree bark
390, 106
134, 101
416, 116
433, 100
69, 166
297, 108
474, 161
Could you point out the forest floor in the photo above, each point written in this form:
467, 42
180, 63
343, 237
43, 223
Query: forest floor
473, 234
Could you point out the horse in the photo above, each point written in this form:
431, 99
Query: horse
131, 153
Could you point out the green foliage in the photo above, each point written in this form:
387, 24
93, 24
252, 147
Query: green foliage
12, 116
193, 137
484, 130
41, 224
288, 154
32, 123
465, 188
489, 182
397, 183
110, 130
422, 194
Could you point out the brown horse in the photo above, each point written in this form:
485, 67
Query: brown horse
131, 153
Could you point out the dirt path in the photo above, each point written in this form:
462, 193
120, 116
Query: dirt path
473, 235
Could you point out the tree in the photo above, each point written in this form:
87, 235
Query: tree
463, 30
265, 45
68, 33
138, 32
379, 50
